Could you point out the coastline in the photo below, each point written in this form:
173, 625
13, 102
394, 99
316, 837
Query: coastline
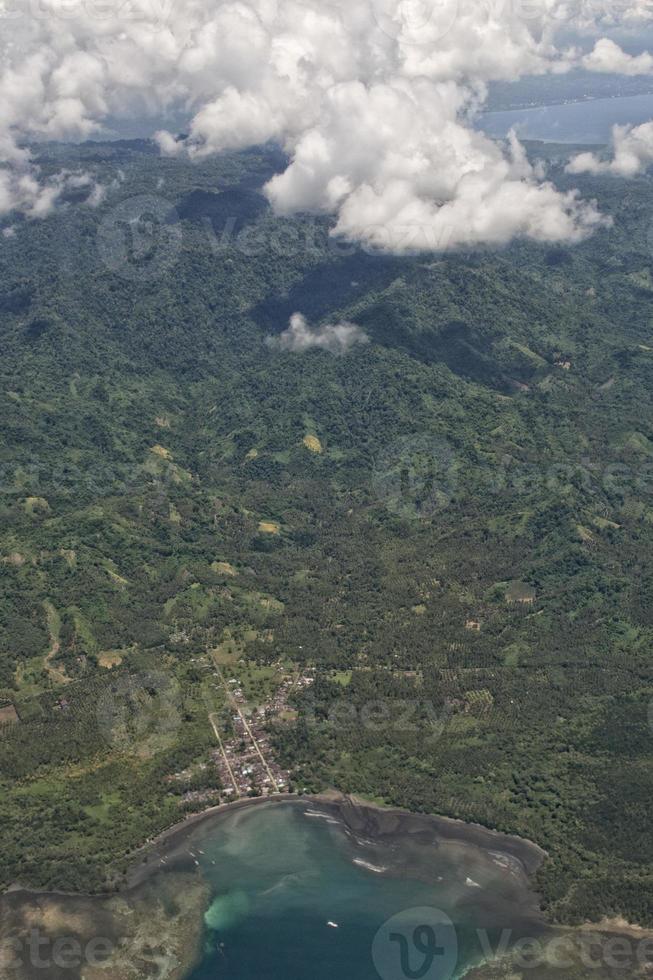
525, 850
359, 816
138, 875
136, 909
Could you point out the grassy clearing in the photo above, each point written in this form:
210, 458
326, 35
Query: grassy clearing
36, 505
313, 444
224, 568
8, 715
520, 592
101, 812
268, 527
233, 645
162, 452
342, 677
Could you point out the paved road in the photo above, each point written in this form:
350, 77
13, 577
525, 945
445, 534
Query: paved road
224, 754
249, 731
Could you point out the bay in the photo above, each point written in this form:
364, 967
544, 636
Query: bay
297, 894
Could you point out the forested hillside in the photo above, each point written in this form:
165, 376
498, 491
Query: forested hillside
452, 521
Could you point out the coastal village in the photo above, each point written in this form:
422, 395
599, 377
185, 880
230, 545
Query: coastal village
244, 758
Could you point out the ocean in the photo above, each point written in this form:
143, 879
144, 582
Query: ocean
573, 122
296, 895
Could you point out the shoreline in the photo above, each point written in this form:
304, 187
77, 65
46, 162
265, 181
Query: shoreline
361, 818
579, 101
357, 815
136, 875
162, 862
346, 804
465, 827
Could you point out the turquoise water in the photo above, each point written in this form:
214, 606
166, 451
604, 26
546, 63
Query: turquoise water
279, 877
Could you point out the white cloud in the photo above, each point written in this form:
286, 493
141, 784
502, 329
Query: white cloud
594, 16
609, 57
336, 338
20, 189
169, 145
419, 183
632, 153
372, 101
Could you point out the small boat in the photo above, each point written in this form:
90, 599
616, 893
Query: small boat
334, 925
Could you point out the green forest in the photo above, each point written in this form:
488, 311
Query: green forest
452, 522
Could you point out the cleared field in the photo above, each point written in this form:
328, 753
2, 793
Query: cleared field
8, 715
268, 527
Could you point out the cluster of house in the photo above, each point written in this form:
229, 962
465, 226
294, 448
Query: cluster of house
246, 761
278, 707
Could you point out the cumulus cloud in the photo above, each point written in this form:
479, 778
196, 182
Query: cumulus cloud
372, 101
632, 153
20, 189
336, 338
610, 58
594, 16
